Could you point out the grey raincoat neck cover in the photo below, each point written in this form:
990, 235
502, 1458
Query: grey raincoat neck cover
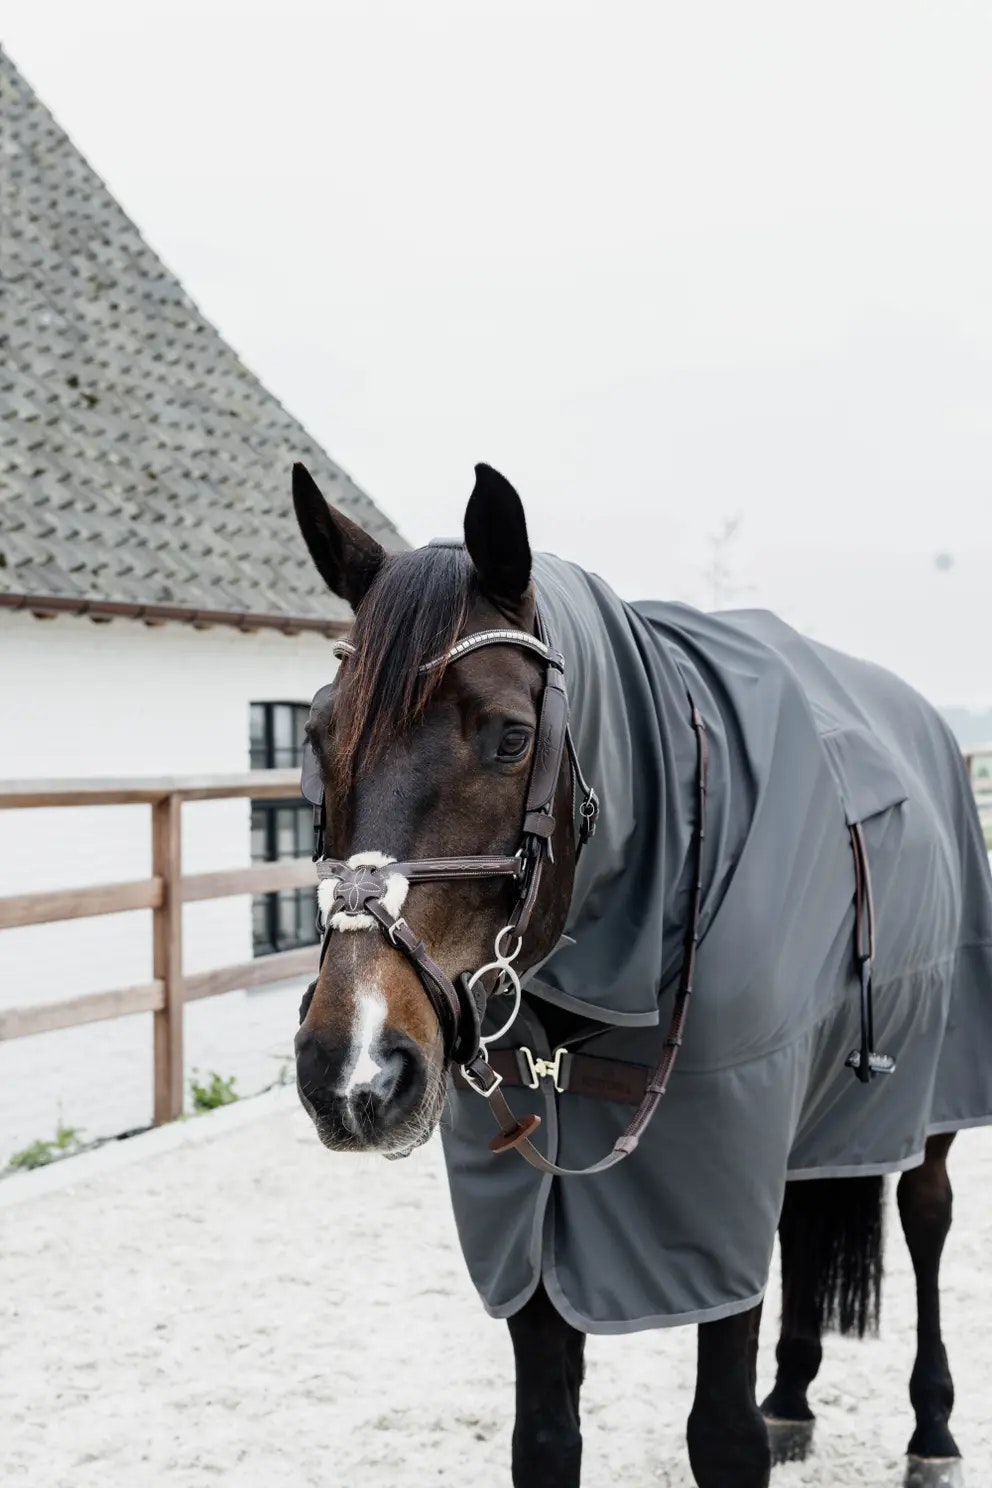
803, 741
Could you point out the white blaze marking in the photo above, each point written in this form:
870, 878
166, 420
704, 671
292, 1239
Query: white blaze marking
369, 1022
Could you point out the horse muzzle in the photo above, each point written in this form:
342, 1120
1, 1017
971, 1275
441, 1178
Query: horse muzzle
368, 1096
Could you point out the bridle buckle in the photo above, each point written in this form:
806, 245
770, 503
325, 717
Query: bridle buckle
391, 930
589, 815
480, 1076
545, 1069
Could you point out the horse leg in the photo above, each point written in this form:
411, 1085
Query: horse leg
924, 1196
547, 1442
728, 1441
799, 1351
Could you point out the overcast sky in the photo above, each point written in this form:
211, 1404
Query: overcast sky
664, 264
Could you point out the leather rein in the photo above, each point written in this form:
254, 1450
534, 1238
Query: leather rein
368, 891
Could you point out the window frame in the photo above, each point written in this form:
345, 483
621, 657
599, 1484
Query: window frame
269, 910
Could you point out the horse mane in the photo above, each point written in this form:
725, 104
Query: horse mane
414, 610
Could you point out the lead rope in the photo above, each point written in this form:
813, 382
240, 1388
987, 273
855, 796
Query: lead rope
517, 1131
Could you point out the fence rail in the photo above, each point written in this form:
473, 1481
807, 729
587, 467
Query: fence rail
164, 893
167, 890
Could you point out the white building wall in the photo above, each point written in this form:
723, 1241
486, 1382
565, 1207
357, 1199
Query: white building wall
84, 699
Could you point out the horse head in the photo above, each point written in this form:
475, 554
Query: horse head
428, 753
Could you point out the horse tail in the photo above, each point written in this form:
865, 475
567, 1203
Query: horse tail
832, 1232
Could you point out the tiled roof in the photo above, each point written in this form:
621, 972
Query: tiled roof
140, 461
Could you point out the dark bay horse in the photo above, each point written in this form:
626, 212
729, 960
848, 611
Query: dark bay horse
452, 806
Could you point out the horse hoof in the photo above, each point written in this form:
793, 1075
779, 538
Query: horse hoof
791, 1441
934, 1472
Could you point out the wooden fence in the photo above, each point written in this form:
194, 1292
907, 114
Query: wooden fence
164, 893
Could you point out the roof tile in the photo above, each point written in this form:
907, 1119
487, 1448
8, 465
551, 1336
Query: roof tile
140, 460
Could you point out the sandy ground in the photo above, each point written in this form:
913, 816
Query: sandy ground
251, 1310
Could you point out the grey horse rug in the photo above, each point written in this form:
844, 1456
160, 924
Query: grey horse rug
803, 742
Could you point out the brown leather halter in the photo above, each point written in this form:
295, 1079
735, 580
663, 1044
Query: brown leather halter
360, 889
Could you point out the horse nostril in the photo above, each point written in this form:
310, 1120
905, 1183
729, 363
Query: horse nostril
361, 1097
391, 1074
388, 1095
317, 1071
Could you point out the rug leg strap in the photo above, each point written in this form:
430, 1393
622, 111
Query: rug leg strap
865, 1062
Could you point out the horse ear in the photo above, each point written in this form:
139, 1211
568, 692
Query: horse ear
346, 558
496, 536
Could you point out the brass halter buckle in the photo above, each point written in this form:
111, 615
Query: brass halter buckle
545, 1069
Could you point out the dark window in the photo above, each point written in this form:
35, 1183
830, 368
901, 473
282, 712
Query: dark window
287, 918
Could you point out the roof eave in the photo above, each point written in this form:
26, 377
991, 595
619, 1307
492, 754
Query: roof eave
46, 606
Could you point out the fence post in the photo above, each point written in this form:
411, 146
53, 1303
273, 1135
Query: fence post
167, 931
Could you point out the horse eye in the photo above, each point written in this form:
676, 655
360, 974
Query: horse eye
514, 745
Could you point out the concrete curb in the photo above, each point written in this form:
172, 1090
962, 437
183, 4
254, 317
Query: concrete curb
64, 1175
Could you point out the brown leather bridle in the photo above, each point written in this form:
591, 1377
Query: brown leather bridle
361, 889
